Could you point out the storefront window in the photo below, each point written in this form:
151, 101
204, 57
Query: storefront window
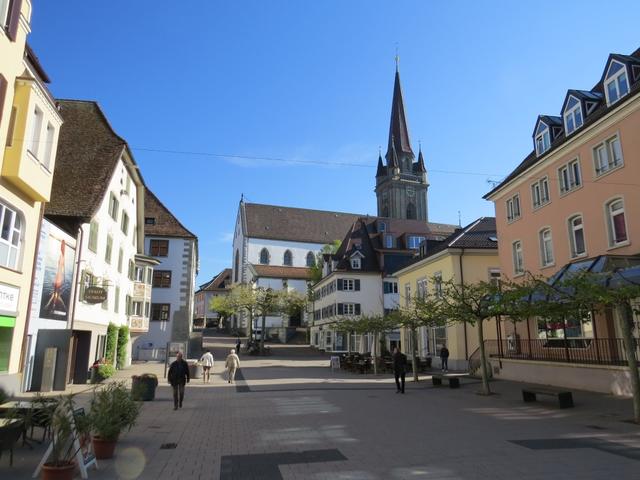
6, 335
570, 328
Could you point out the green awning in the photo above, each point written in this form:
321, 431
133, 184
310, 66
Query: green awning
9, 322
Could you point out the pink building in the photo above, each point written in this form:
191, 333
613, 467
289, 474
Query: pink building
574, 198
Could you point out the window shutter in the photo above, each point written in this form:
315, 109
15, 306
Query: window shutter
357, 284
339, 284
14, 19
340, 309
357, 309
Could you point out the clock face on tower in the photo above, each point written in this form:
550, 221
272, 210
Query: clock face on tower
411, 192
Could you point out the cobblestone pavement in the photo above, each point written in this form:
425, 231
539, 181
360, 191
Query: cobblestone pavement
289, 417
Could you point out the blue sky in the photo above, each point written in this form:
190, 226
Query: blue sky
312, 81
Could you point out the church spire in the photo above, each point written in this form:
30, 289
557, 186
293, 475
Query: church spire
398, 128
381, 171
420, 164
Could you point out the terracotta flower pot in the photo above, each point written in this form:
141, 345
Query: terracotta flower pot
53, 472
103, 448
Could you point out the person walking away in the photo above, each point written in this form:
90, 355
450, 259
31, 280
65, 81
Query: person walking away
207, 364
399, 369
444, 358
238, 345
232, 364
178, 376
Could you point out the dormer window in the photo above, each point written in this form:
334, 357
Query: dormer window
382, 227
356, 263
573, 115
616, 84
543, 139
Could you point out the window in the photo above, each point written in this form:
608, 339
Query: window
264, 256
236, 268
437, 284
138, 274
607, 155
348, 309
518, 262
407, 294
149, 271
127, 187
388, 241
411, 211
124, 224
543, 139
576, 236
540, 192
116, 300
136, 308
4, 12
569, 176
348, 284
105, 304
160, 312
113, 206
311, 260
414, 242
36, 127
617, 224
355, 263
513, 208
494, 276
616, 85
421, 288
94, 228
390, 287
10, 236
162, 278
382, 227
573, 115
546, 247
120, 258
107, 250
288, 258
572, 327
159, 248
149, 220
48, 146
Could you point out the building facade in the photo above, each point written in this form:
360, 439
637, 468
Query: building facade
469, 255
572, 200
172, 296
204, 315
29, 129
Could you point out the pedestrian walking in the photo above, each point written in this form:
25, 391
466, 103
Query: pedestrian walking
444, 358
399, 369
178, 376
207, 364
238, 345
232, 364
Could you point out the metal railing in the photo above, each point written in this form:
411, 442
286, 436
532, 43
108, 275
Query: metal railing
595, 351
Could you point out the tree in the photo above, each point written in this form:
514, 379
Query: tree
223, 304
316, 269
243, 299
472, 303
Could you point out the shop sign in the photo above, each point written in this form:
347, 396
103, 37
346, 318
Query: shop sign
9, 299
95, 294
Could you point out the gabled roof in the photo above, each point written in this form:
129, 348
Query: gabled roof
166, 224
217, 283
600, 111
549, 121
276, 271
295, 224
398, 128
88, 152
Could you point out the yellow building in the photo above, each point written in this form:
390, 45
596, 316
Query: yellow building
469, 255
29, 126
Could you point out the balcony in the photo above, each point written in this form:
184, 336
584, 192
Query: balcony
138, 324
32, 141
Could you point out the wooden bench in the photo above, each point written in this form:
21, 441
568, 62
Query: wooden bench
565, 398
454, 381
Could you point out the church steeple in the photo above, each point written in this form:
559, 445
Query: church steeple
398, 128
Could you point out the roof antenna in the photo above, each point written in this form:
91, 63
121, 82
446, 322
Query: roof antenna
459, 219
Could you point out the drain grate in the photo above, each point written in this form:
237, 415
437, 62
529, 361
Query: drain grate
168, 446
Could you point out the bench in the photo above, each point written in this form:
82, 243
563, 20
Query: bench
454, 382
565, 399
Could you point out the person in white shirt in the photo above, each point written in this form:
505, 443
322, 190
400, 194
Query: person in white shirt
232, 364
207, 364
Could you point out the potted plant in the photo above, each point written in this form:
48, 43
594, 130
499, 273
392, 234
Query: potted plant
101, 372
66, 428
112, 410
143, 387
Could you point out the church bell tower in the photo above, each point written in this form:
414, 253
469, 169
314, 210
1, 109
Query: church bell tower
401, 183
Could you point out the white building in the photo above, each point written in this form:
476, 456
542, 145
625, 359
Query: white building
172, 297
274, 247
98, 194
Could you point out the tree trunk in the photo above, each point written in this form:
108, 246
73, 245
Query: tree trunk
374, 347
263, 333
625, 319
486, 390
414, 363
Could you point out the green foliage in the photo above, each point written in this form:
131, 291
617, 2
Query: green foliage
112, 411
123, 339
106, 370
316, 270
223, 304
66, 426
112, 338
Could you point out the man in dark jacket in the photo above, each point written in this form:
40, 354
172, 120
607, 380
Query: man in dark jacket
399, 367
444, 358
178, 376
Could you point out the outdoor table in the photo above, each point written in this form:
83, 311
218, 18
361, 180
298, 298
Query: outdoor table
25, 407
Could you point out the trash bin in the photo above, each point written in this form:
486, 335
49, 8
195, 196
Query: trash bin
195, 369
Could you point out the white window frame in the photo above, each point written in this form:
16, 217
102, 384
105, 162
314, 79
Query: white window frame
114, 206
348, 284
610, 214
604, 160
4, 12
437, 284
494, 276
348, 308
570, 176
517, 257
13, 243
545, 239
540, 192
421, 288
571, 115
513, 208
388, 240
124, 223
415, 241
356, 263
543, 141
50, 133
35, 133
615, 80
572, 235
